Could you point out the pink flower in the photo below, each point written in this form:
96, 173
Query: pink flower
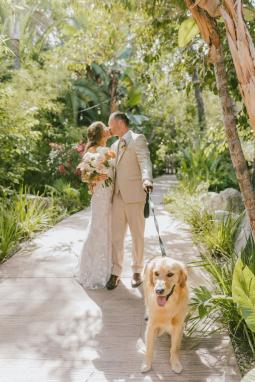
80, 148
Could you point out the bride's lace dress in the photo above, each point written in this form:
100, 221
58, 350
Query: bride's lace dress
95, 261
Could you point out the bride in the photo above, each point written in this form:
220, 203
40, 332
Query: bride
95, 261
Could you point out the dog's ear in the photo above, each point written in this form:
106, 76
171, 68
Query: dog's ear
151, 270
183, 277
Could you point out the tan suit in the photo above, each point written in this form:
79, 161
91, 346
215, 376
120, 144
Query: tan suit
132, 169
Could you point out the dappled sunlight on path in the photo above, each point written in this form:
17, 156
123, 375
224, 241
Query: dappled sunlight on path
52, 330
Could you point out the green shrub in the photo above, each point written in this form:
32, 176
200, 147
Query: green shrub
230, 304
217, 236
10, 233
33, 212
197, 165
21, 215
70, 198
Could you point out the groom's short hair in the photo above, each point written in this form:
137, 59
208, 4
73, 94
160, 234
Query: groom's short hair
120, 116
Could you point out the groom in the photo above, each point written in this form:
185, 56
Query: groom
132, 179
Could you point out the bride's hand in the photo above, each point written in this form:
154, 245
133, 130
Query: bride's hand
101, 177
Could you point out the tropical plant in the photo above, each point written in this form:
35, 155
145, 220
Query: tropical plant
197, 166
243, 292
228, 304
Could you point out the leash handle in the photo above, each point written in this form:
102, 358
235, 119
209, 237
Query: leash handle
162, 248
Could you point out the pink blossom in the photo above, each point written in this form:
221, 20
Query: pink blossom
80, 148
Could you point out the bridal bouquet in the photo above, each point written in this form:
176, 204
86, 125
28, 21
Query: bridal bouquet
96, 166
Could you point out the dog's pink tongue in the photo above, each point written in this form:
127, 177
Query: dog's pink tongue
161, 300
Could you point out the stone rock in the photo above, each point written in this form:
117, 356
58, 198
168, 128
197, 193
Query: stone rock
232, 200
222, 215
243, 234
209, 201
227, 200
45, 199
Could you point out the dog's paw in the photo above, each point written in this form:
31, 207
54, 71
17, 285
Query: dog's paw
176, 366
145, 367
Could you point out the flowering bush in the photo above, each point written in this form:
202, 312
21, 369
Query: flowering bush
63, 160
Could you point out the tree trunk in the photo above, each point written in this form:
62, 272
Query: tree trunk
253, 175
234, 143
209, 31
15, 40
199, 101
113, 86
243, 53
240, 44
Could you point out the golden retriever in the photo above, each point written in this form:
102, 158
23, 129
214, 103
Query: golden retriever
166, 300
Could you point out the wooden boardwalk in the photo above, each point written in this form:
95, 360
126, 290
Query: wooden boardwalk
52, 330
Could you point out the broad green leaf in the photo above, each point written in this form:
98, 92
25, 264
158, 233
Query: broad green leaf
187, 31
249, 377
243, 292
134, 97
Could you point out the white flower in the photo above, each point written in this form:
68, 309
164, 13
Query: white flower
102, 150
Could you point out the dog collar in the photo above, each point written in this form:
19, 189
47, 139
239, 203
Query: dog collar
170, 293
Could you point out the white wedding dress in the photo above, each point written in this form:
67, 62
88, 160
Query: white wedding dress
96, 260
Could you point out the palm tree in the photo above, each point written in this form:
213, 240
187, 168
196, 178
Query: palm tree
25, 26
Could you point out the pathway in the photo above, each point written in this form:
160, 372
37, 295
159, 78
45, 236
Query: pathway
54, 331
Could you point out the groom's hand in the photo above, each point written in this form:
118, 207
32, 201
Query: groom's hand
147, 186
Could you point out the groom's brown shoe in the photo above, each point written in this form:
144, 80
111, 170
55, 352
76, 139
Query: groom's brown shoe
112, 282
136, 280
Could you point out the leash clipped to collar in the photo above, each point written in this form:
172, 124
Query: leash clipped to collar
170, 293
162, 248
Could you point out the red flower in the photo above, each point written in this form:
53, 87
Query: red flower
61, 169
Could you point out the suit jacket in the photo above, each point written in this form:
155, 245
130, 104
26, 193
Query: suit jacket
133, 168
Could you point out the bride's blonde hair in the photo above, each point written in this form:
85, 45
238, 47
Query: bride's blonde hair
95, 134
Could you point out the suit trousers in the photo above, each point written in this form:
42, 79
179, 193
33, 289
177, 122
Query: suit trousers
124, 215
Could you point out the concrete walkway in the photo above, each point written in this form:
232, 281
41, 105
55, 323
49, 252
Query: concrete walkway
53, 330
